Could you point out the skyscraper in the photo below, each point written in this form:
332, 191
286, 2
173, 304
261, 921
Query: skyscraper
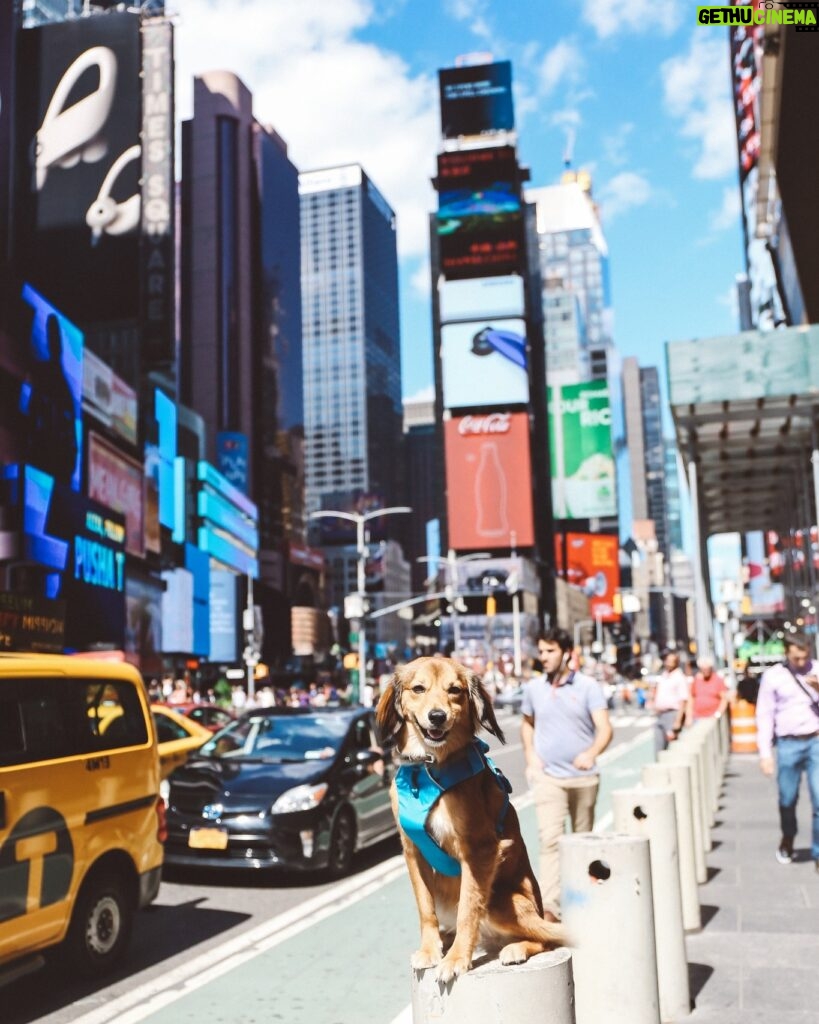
352, 359
241, 347
574, 261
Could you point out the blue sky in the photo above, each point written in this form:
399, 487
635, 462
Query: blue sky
643, 92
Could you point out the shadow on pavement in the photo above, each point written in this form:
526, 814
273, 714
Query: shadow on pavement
160, 933
698, 975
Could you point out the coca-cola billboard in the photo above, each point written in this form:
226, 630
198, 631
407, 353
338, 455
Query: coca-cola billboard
489, 481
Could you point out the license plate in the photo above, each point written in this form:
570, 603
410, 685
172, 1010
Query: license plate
208, 839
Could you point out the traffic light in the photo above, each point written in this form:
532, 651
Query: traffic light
491, 606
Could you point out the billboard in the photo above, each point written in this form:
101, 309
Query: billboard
108, 398
157, 213
592, 565
746, 65
29, 623
489, 485
498, 576
81, 545
481, 297
472, 168
476, 99
50, 397
497, 198
232, 457
484, 363
118, 482
582, 458
223, 631
77, 208
480, 244
143, 624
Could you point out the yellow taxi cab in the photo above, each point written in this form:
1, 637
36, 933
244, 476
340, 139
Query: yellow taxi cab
82, 824
177, 736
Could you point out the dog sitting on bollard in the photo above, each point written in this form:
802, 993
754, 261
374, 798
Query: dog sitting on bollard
467, 862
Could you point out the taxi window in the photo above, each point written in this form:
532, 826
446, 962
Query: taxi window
167, 729
44, 719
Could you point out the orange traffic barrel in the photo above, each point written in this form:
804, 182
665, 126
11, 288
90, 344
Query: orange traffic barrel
743, 728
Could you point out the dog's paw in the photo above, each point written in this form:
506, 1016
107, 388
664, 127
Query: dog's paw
514, 953
453, 966
423, 958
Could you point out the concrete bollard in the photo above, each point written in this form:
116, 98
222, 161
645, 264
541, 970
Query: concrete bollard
608, 911
687, 758
697, 741
678, 778
651, 813
541, 990
708, 731
693, 747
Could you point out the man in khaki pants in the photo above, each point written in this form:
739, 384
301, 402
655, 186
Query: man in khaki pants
565, 728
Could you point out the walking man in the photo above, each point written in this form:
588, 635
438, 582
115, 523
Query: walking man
565, 728
787, 712
669, 700
708, 696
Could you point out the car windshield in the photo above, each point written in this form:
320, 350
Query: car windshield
278, 738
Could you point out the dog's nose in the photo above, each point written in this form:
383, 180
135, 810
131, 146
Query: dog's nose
436, 717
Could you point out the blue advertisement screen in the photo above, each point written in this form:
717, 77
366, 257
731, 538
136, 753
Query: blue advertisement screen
51, 393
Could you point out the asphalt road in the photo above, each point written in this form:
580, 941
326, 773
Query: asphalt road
204, 919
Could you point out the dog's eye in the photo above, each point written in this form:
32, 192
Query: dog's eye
455, 689
418, 689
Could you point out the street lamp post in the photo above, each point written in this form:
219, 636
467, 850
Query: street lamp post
452, 561
360, 519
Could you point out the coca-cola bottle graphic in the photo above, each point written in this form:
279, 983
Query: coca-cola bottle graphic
491, 518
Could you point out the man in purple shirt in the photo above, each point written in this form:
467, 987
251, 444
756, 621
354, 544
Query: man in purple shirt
787, 713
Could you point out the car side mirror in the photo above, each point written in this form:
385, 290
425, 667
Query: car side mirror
364, 760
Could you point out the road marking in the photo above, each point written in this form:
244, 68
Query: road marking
146, 999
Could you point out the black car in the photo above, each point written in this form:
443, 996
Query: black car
295, 788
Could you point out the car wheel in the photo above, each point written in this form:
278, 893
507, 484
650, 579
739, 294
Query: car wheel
100, 925
342, 845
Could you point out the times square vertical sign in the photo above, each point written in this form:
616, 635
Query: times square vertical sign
157, 226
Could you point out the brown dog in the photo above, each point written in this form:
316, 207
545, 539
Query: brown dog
433, 708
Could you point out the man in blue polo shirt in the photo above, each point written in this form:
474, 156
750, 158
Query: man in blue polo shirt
565, 728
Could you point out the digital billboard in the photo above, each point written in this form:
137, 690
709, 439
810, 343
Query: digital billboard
489, 485
223, 631
484, 363
108, 398
232, 457
478, 245
478, 297
476, 99
143, 623
473, 168
746, 64
582, 458
118, 482
157, 213
77, 209
50, 397
29, 623
81, 545
592, 565
498, 197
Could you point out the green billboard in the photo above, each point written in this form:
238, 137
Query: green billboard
583, 482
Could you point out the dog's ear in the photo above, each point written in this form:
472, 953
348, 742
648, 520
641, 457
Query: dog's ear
483, 713
388, 715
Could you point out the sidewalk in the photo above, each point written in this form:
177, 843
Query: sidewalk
756, 959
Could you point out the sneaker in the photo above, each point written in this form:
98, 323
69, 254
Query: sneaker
785, 852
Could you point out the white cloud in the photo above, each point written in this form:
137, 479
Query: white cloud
333, 98
696, 91
730, 212
562, 64
729, 300
624, 192
611, 17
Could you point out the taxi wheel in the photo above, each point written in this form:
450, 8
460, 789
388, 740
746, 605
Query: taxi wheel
342, 845
100, 925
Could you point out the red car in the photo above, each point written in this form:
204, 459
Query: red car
211, 716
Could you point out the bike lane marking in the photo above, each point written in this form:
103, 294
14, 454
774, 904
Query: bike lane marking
389, 918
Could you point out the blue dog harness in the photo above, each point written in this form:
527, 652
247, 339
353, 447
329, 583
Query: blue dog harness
419, 788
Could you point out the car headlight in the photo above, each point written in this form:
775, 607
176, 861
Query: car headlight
301, 798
